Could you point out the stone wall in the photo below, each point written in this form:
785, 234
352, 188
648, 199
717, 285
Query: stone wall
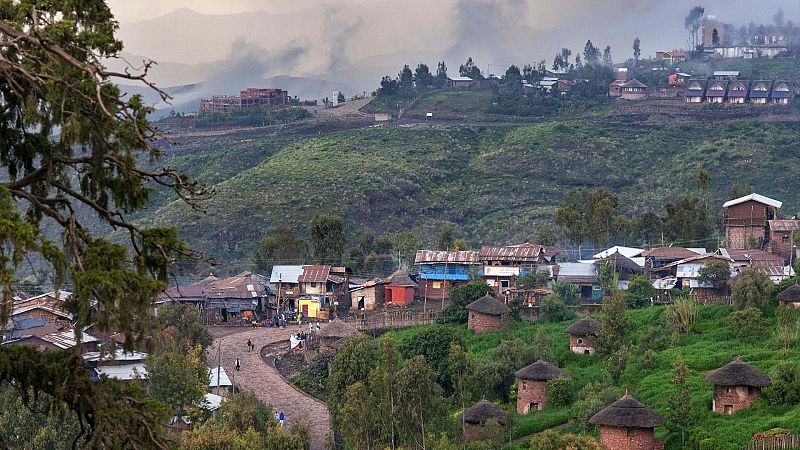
616, 438
582, 345
729, 399
479, 322
531, 391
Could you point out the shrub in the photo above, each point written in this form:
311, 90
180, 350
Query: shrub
748, 322
559, 392
617, 361
554, 309
785, 387
648, 359
434, 344
590, 400
716, 274
553, 440
751, 289
640, 292
683, 313
460, 297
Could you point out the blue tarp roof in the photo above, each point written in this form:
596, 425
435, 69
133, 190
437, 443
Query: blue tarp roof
27, 323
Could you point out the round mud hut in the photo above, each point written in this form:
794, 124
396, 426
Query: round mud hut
486, 314
627, 424
476, 417
532, 385
736, 386
583, 336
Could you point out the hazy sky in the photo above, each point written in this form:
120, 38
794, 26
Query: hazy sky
359, 40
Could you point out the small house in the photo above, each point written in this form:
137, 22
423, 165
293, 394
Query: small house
746, 220
532, 385
736, 386
287, 287
614, 89
476, 417
760, 91
332, 332
661, 256
627, 424
486, 314
782, 93
695, 91
369, 295
399, 289
737, 91
218, 381
582, 275
633, 90
781, 237
503, 264
790, 297
583, 336
671, 58
687, 273
461, 82
716, 90
241, 296
440, 271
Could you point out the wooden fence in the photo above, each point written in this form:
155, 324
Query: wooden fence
785, 441
394, 319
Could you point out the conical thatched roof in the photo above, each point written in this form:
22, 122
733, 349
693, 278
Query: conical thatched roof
399, 278
541, 371
584, 327
337, 329
489, 305
484, 410
737, 373
627, 412
790, 294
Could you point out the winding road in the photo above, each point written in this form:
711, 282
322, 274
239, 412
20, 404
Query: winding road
263, 379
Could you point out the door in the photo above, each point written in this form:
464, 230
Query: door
305, 310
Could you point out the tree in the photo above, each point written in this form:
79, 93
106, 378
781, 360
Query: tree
554, 310
787, 329
469, 69
715, 38
462, 296
784, 388
779, 18
433, 344
327, 238
544, 236
74, 148
679, 414
423, 76
589, 401
352, 364
39, 424
565, 54
421, 403
559, 392
687, 220
406, 79
607, 60
640, 292
441, 74
513, 73
752, 289
282, 247
591, 54
558, 62
715, 274
446, 238
614, 325
181, 324
692, 23
533, 279
617, 362
508, 357
177, 376
543, 345
389, 88
748, 322
406, 244
637, 51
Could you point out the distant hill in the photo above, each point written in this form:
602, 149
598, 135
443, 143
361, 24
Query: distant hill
495, 183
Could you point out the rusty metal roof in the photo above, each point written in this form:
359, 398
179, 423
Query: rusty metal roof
526, 252
314, 274
753, 255
66, 339
441, 256
783, 225
668, 253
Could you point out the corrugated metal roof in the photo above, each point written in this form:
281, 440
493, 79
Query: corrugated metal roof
27, 323
315, 274
460, 78
753, 255
726, 73
211, 402
754, 197
628, 252
223, 377
118, 355
669, 253
66, 339
526, 252
576, 270
441, 256
286, 274
665, 284
123, 371
58, 312
783, 225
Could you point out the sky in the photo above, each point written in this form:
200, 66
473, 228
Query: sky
354, 42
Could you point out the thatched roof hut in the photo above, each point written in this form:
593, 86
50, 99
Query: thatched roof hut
790, 294
737, 373
489, 305
627, 412
337, 329
399, 278
584, 327
484, 410
540, 371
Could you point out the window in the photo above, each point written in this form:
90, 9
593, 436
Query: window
524, 386
504, 283
313, 284
437, 285
630, 432
580, 341
728, 389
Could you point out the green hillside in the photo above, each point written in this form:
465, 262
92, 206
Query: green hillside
495, 183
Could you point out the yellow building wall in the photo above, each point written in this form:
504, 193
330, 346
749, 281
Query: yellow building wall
313, 307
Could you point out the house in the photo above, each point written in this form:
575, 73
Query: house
760, 91
716, 90
660, 256
738, 90
486, 314
726, 74
120, 365
626, 268
287, 287
583, 336
49, 306
556, 73
60, 340
584, 276
442, 270
746, 221
781, 238
548, 84
503, 264
399, 289
369, 295
476, 417
532, 385
695, 91
782, 92
218, 381
238, 297
564, 85
687, 274
673, 57
614, 89
461, 82
327, 286
678, 79
736, 386
627, 424
628, 252
334, 331
633, 90
790, 297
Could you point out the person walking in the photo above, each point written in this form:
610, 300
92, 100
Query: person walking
237, 365
249, 345
281, 418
